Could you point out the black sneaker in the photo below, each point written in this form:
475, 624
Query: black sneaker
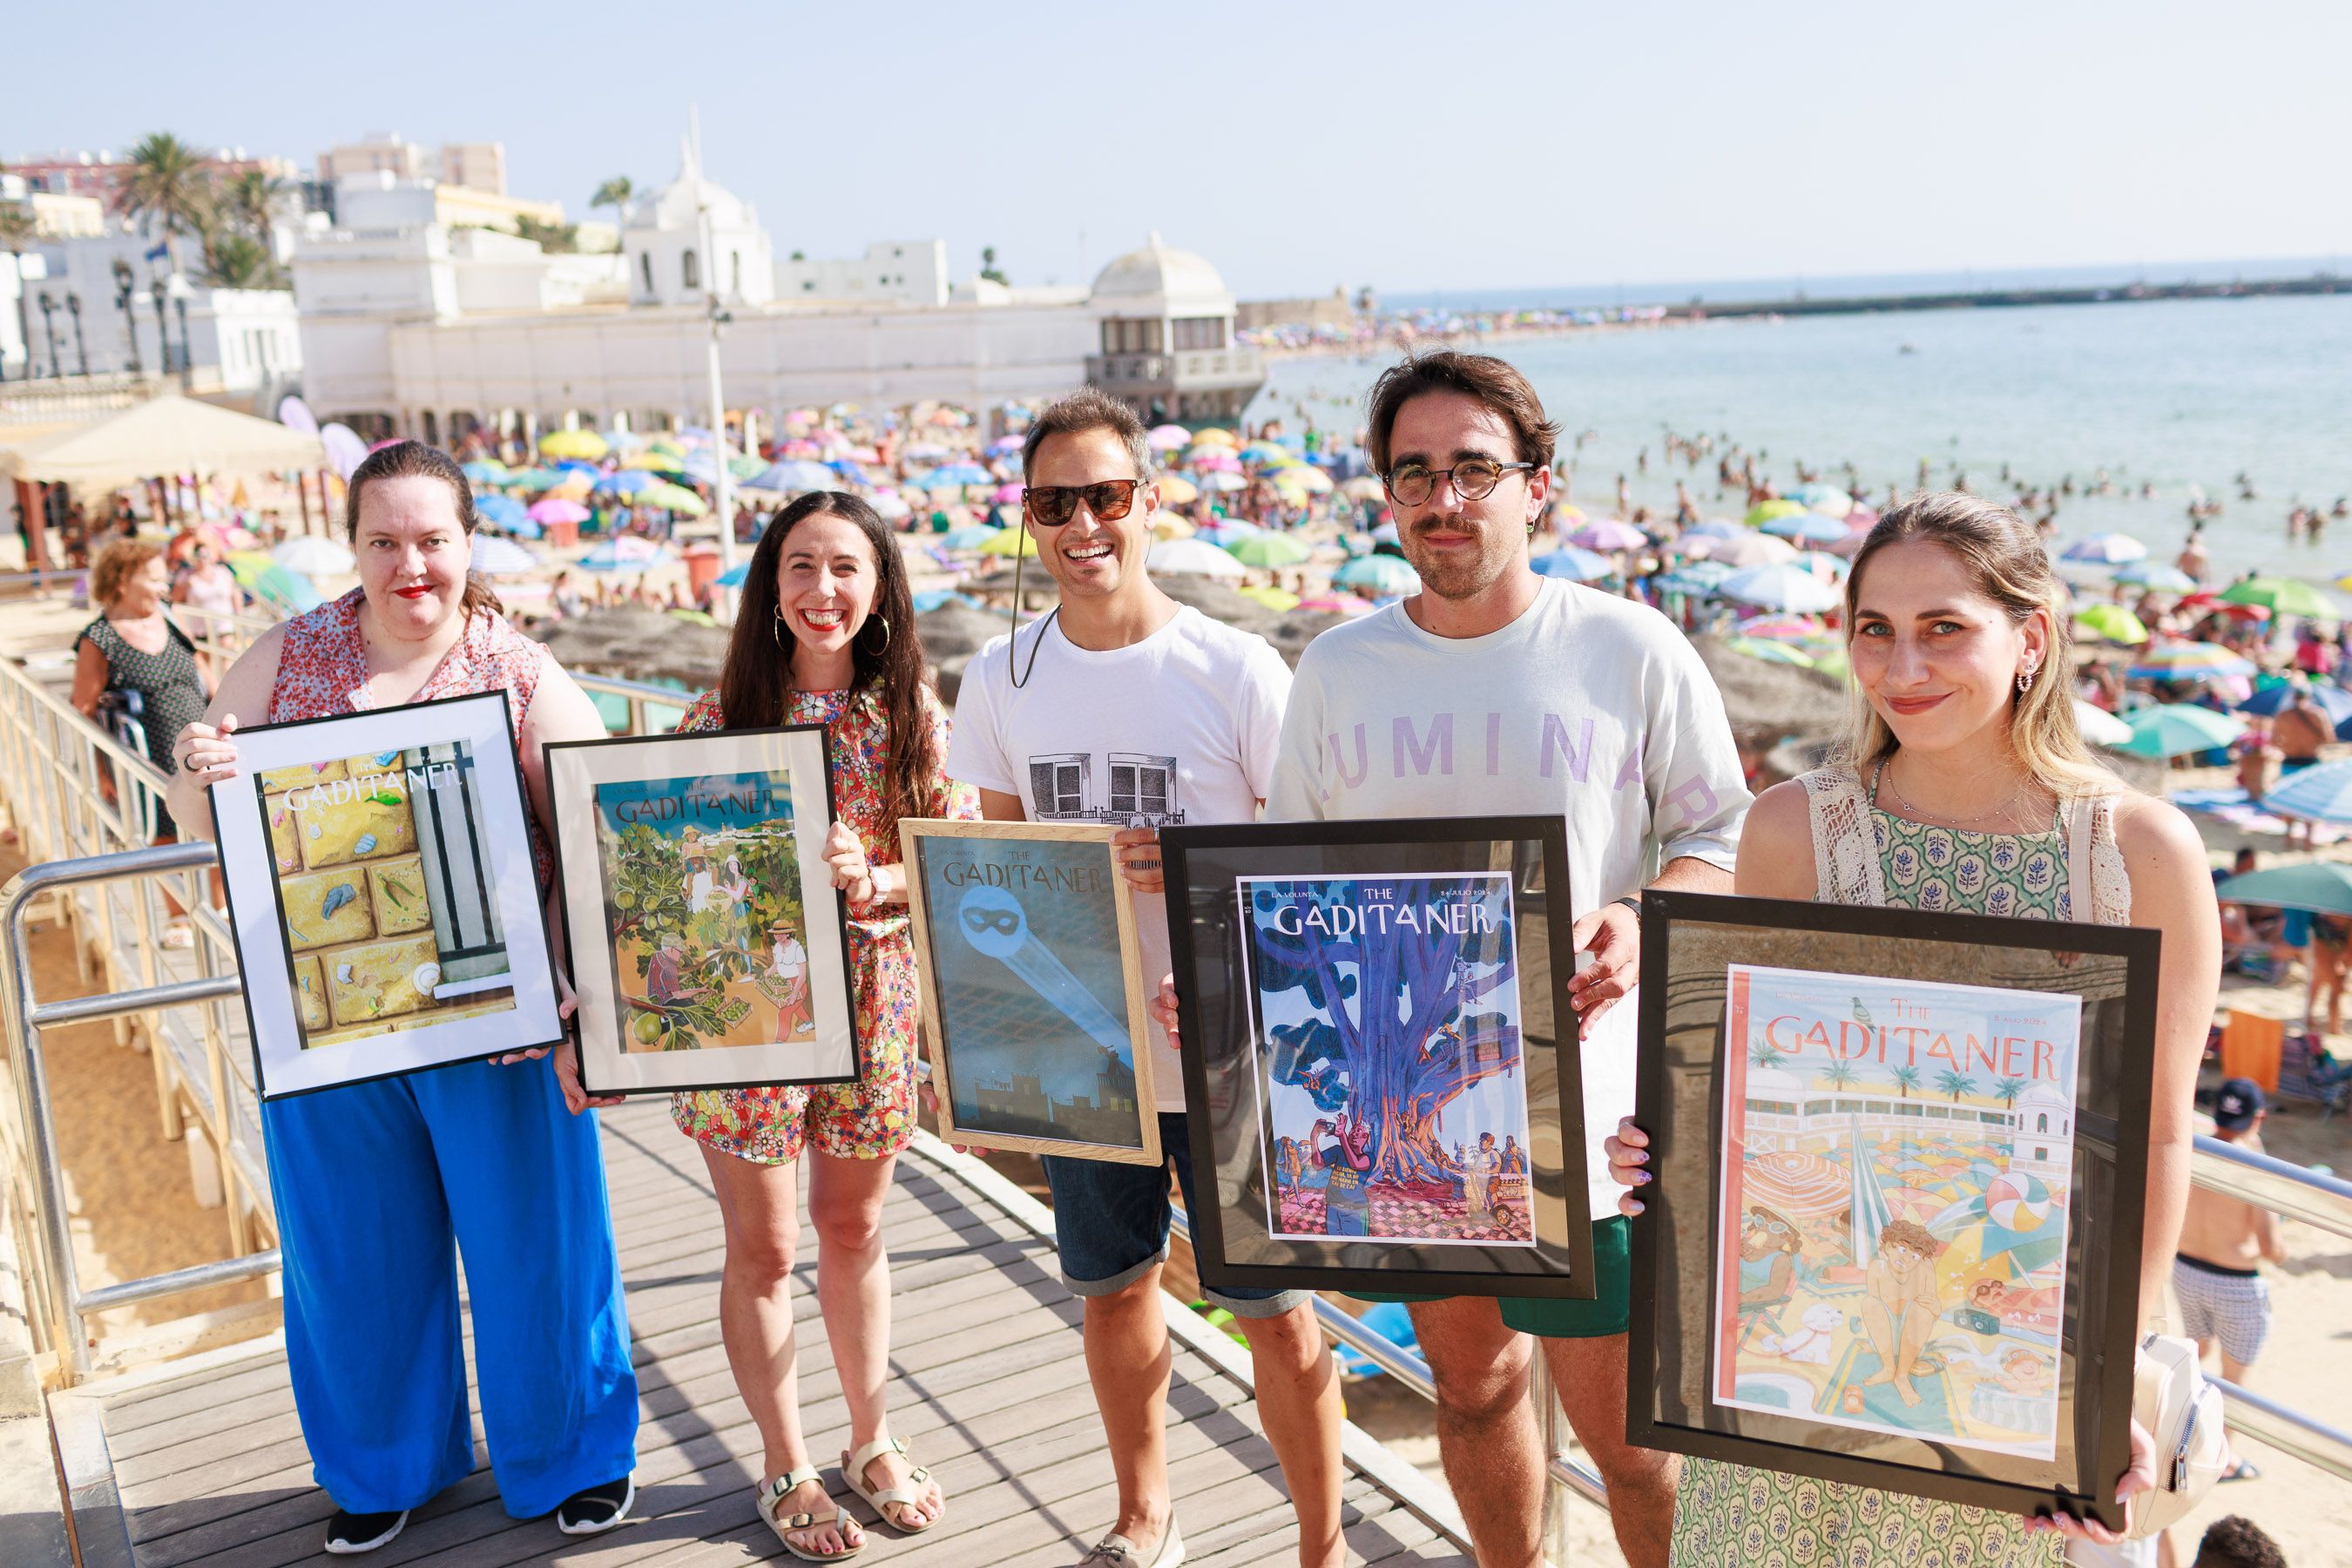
348, 1534
598, 1509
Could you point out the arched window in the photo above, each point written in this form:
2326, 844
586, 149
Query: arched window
690, 270
735, 283
646, 266
2042, 1122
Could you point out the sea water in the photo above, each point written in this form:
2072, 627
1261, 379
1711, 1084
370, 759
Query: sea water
2186, 395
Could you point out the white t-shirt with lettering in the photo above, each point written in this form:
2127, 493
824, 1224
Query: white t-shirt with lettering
1587, 706
1179, 727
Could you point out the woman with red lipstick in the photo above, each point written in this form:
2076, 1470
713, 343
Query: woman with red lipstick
827, 636
378, 1185
1962, 783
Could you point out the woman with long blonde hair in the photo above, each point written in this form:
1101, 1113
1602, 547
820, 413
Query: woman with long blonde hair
1962, 783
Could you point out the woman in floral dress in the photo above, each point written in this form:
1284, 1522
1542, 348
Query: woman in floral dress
827, 636
1963, 784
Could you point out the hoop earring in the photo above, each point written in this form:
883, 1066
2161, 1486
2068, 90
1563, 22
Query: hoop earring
776, 627
2024, 682
883, 622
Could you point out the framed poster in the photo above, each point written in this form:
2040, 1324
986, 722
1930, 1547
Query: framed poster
708, 947
1377, 1035
1032, 988
381, 890
1895, 1239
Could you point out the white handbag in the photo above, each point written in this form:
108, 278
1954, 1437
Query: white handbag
2182, 1412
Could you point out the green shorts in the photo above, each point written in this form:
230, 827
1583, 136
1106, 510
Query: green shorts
1608, 1313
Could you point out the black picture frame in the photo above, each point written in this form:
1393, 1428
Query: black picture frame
258, 917
1690, 941
572, 765
1229, 1111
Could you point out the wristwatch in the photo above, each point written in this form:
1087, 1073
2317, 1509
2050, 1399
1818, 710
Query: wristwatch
1634, 902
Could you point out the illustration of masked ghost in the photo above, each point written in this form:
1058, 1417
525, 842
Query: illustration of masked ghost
994, 922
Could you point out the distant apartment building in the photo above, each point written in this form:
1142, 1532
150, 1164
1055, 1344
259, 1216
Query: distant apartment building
905, 271
1330, 310
475, 166
100, 173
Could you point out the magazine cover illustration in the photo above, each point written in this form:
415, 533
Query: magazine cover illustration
703, 910
1892, 1251
387, 909
1387, 1057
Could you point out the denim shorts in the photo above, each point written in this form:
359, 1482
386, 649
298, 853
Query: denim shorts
1112, 1223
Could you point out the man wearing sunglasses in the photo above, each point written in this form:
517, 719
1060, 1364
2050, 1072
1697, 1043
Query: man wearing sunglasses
1124, 706
1499, 691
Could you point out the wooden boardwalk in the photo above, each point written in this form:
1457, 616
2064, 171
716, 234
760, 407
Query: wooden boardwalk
990, 1391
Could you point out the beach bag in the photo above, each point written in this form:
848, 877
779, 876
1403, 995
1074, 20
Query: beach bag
2182, 1411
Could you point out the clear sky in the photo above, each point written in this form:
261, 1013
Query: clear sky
1300, 146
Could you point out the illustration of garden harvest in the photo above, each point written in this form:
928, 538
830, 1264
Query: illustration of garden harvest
702, 906
389, 922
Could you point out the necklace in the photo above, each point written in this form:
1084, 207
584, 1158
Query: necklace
1957, 822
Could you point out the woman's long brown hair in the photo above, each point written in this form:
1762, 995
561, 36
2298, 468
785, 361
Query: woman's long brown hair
755, 686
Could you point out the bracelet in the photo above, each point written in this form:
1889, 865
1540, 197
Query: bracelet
1634, 902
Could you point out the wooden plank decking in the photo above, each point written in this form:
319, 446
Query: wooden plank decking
989, 1390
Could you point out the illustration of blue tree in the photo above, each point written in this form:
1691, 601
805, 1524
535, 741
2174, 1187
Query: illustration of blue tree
1401, 1035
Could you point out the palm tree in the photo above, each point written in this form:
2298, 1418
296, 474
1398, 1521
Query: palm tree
239, 261
2009, 1089
1764, 1054
1907, 1078
1954, 1082
251, 200
168, 189
17, 232
988, 268
1840, 1074
550, 237
613, 192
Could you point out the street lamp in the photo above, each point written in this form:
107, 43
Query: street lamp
187, 350
125, 289
81, 349
162, 326
49, 330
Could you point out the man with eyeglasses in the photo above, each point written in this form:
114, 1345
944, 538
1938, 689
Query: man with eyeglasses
1499, 691
1124, 706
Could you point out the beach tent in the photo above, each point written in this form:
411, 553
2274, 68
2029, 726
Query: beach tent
168, 435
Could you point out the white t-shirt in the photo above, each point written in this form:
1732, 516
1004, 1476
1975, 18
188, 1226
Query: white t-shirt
1588, 705
1180, 726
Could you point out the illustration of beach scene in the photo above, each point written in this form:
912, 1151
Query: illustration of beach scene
1892, 1253
702, 906
1387, 1057
389, 922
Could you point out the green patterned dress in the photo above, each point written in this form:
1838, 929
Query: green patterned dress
1730, 1514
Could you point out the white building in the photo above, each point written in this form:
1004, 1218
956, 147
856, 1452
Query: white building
900, 271
1165, 337
693, 237
1784, 1111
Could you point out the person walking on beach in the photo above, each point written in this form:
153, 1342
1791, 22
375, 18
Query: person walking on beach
1121, 670
825, 635
1960, 744
1496, 690
378, 1186
2217, 1272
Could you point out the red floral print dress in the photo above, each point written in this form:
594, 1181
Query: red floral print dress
874, 1117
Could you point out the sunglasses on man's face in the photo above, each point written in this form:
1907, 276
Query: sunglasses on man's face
1051, 506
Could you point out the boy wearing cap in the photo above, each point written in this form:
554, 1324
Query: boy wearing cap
2215, 1276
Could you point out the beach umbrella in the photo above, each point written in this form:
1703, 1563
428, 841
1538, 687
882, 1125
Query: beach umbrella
654, 462
1610, 533
1827, 499
1748, 550
2099, 727
1334, 603
1213, 436
265, 578
2105, 550
2157, 575
484, 471
1013, 542
627, 482
2280, 696
1266, 452
1387, 575
1229, 531
2282, 597
314, 556
1798, 1184
496, 557
1268, 551
2178, 728
1005, 445
2322, 886
674, 498
1365, 487
1008, 495
1305, 477
1714, 528
625, 555
557, 510
1223, 481
1272, 599
1213, 460
1828, 568
735, 577
1772, 652
957, 474
1782, 628
582, 444
1168, 438
1765, 512
971, 538
1175, 490
1575, 564
1806, 527
890, 509
2187, 661
1193, 557
1168, 525
2323, 793
2114, 623
499, 512
533, 480
1779, 586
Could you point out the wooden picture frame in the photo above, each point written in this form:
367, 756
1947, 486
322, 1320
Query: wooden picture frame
703, 930
1945, 1110
381, 894
1038, 967
1483, 1030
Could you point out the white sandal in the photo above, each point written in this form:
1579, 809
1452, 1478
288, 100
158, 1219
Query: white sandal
881, 1499
771, 1497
